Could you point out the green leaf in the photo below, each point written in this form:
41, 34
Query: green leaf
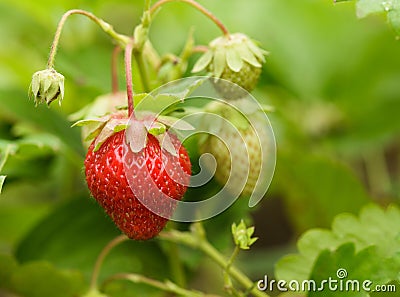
47, 119
7, 267
4, 154
336, 189
374, 227
394, 17
72, 236
176, 123
347, 265
38, 279
164, 100
2, 179
367, 7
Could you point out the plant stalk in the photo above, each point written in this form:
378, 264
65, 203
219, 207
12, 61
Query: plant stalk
202, 244
142, 67
100, 259
166, 286
114, 69
122, 40
197, 6
128, 76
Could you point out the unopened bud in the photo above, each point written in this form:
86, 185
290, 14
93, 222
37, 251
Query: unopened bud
47, 86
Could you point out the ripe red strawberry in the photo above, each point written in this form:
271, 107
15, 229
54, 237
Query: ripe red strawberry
153, 172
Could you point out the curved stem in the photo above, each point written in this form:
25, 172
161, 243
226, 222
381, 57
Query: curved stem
107, 28
200, 49
142, 70
128, 76
166, 286
100, 259
147, 5
196, 5
114, 69
228, 282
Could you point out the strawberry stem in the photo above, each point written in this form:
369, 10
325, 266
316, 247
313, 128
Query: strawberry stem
107, 28
100, 259
196, 241
114, 69
200, 49
128, 75
166, 286
199, 7
147, 5
142, 70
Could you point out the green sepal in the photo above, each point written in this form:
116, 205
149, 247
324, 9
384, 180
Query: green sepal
219, 61
110, 128
242, 235
231, 52
203, 62
136, 131
247, 55
156, 128
166, 144
234, 60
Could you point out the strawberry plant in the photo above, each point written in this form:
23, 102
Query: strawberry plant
148, 176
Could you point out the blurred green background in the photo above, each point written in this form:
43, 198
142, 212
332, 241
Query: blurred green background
333, 80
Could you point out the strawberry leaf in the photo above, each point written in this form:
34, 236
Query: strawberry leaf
346, 263
175, 123
40, 278
391, 7
367, 7
3, 159
2, 179
374, 227
394, 17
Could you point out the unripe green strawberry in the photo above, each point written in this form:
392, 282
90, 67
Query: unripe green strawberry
223, 157
235, 139
235, 58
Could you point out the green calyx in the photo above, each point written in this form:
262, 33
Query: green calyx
100, 129
47, 86
230, 52
243, 236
